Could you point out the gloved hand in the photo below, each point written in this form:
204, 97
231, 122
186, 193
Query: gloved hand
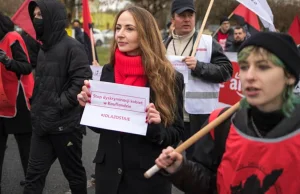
3, 57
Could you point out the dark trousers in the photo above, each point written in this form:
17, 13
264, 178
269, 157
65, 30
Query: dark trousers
23, 141
45, 150
192, 127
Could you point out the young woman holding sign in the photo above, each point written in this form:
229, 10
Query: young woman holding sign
138, 59
257, 149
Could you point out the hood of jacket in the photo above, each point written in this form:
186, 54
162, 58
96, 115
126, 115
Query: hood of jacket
54, 18
286, 126
6, 25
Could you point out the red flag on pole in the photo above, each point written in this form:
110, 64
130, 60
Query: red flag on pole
22, 19
246, 17
88, 33
294, 30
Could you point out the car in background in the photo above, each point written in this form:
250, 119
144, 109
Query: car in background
98, 37
108, 34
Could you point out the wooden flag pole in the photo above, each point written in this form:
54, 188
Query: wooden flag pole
92, 44
202, 28
185, 145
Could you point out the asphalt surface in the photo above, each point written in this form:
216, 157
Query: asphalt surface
56, 182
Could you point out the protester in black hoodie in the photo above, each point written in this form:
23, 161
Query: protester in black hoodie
62, 66
16, 86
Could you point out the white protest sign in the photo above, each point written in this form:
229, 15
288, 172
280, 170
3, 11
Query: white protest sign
97, 70
117, 107
179, 65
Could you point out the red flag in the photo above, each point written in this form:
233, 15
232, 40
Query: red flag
87, 25
294, 30
246, 17
23, 20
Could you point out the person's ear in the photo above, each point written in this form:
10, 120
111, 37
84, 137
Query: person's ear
290, 80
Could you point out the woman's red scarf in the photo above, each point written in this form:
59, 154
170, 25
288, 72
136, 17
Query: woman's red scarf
129, 70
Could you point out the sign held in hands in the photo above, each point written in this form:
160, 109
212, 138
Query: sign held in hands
117, 107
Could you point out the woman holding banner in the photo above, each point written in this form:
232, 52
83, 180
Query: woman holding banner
257, 149
138, 59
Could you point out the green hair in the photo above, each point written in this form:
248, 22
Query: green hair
290, 100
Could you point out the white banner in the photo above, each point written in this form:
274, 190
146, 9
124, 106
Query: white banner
117, 107
262, 9
179, 65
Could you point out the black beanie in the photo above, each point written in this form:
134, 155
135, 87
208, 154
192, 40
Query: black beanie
224, 19
281, 45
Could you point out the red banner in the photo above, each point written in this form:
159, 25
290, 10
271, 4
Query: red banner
294, 30
23, 20
231, 91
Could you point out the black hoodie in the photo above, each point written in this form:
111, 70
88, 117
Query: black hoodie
55, 21
62, 67
6, 25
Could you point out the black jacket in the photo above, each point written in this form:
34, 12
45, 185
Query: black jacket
62, 67
79, 35
19, 64
33, 48
233, 47
122, 159
199, 176
218, 70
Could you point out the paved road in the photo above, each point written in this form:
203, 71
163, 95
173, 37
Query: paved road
56, 183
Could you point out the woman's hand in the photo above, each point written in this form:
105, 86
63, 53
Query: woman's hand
153, 116
169, 160
95, 63
85, 95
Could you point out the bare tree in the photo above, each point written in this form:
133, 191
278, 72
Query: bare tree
153, 6
284, 13
10, 7
283, 10
160, 9
70, 6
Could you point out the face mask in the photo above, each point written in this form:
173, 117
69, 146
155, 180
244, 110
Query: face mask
38, 25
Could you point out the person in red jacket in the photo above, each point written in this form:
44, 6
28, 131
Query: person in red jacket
16, 86
256, 151
225, 33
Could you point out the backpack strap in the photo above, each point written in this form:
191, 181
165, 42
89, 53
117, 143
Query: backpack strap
212, 117
219, 134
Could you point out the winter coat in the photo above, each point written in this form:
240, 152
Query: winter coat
62, 67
